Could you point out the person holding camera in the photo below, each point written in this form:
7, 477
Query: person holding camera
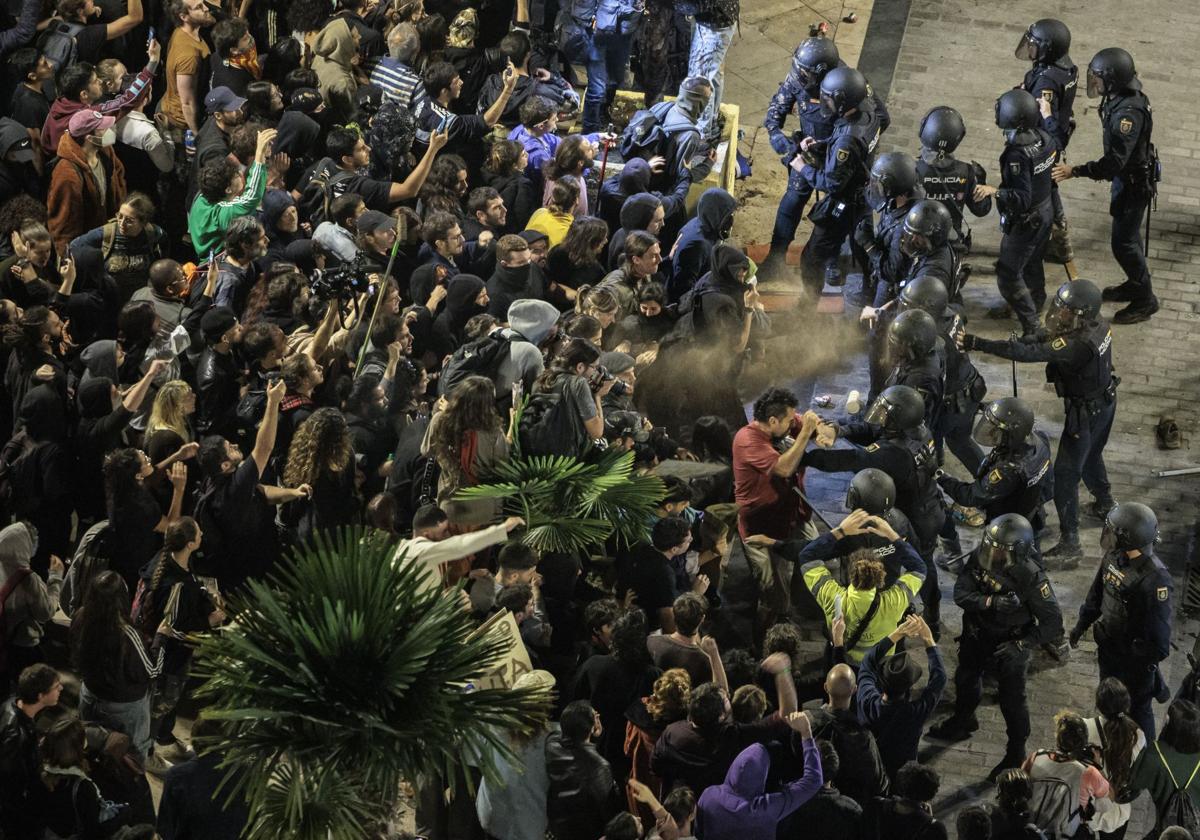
576, 376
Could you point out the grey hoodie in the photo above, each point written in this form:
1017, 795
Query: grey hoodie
33, 602
530, 322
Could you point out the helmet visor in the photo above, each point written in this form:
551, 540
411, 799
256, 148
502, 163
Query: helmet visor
987, 432
913, 244
876, 196
806, 76
1027, 48
1059, 319
877, 414
992, 556
1108, 538
828, 107
1095, 85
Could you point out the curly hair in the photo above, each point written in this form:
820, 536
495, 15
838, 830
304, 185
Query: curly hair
866, 573
167, 411
584, 239
390, 136
573, 352
307, 15
440, 190
504, 157
322, 444
121, 468
668, 702
471, 406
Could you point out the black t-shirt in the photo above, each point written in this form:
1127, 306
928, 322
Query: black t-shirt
650, 576
90, 41
374, 193
134, 521
29, 107
234, 78
247, 525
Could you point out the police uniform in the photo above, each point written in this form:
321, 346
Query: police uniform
926, 376
989, 626
1080, 366
964, 388
1025, 219
1128, 162
1007, 482
843, 178
1130, 605
953, 182
1056, 83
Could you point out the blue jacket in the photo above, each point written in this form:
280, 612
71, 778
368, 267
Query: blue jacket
693, 248
609, 15
897, 724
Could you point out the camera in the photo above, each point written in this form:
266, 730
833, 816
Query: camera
344, 282
601, 376
620, 388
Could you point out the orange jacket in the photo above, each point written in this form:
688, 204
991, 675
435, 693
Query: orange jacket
74, 200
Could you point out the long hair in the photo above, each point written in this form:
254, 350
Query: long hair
322, 444
121, 469
440, 190
1118, 728
568, 157
574, 352
592, 300
471, 406
179, 533
64, 745
98, 629
504, 158
584, 238
167, 411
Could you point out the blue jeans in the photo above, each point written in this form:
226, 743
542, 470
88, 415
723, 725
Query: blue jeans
707, 59
607, 59
132, 718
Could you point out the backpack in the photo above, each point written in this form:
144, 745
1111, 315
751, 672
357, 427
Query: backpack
59, 45
1052, 806
13, 458
549, 425
321, 190
108, 238
1179, 809
92, 556
481, 357
645, 136
212, 551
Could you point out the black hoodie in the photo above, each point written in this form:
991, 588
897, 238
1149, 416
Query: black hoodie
693, 249
509, 284
636, 213
460, 307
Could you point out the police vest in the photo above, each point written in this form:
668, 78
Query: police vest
1035, 151
946, 180
864, 127
814, 121
1136, 167
1009, 624
1031, 466
1062, 84
1096, 375
1121, 584
917, 494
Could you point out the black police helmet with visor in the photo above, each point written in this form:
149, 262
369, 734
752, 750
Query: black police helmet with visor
1045, 41
1007, 540
912, 335
927, 294
898, 409
942, 129
1074, 305
893, 174
812, 60
871, 490
843, 89
1129, 526
926, 227
1005, 422
1017, 110
1110, 71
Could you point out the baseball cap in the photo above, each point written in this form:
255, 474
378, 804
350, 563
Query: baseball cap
87, 121
216, 322
14, 140
532, 236
223, 99
373, 221
616, 362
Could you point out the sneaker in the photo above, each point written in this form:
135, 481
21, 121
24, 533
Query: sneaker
1010, 760
1121, 293
970, 516
1064, 556
156, 765
1135, 313
175, 752
953, 729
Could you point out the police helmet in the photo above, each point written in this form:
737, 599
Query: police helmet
1074, 304
893, 174
842, 90
1006, 422
927, 294
813, 59
942, 129
1017, 110
1007, 540
1110, 70
927, 226
898, 409
871, 490
1045, 41
1129, 526
912, 334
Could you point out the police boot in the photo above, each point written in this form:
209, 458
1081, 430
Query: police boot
1013, 757
1000, 313
833, 272
953, 729
1099, 508
1122, 293
1137, 312
1066, 555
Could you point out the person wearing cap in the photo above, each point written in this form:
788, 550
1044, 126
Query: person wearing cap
226, 112
376, 234
226, 194
79, 89
886, 705
621, 366
187, 54
17, 168
88, 182
218, 373
539, 246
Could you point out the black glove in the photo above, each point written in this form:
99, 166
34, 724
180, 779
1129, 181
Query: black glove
1009, 652
1006, 602
968, 342
864, 235
1076, 635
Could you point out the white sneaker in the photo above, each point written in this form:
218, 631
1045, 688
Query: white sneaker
175, 752
156, 765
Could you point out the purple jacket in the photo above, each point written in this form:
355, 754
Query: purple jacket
740, 810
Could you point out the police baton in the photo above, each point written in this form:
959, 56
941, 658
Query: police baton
1013, 336
813, 508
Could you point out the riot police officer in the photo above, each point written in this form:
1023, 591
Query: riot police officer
1024, 202
1008, 608
1131, 163
1015, 475
1129, 605
914, 346
893, 437
925, 243
891, 190
944, 177
1052, 79
1077, 350
842, 176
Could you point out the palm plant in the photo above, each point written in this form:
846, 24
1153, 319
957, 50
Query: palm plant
572, 505
344, 675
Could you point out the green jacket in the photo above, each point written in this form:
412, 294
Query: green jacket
207, 221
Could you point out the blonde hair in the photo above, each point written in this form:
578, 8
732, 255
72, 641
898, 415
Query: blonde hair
669, 701
167, 411
322, 443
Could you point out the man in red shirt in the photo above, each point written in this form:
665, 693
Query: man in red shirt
764, 482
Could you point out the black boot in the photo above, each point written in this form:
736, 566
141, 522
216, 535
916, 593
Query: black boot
1012, 758
1122, 293
1137, 312
1066, 555
953, 729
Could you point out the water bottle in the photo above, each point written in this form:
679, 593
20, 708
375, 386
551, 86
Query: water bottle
853, 402
189, 142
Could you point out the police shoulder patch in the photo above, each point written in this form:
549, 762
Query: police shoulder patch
1058, 343
1044, 590
995, 477
1048, 95
1163, 593
1125, 125
872, 447
843, 155
1015, 167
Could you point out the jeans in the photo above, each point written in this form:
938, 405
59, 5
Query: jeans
1129, 212
607, 58
1081, 455
708, 59
131, 718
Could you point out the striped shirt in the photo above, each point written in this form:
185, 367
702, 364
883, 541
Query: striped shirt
399, 82
153, 666
207, 222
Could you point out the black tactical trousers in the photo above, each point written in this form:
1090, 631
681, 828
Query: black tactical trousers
1019, 273
977, 654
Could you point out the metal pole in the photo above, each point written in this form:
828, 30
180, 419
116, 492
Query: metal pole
1184, 471
1013, 336
813, 508
401, 234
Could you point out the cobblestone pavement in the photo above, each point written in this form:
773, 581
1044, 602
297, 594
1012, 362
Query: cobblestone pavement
960, 52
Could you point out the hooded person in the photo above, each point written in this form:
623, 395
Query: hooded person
281, 230
99, 360
741, 809
44, 480
335, 48
693, 249
103, 417
297, 136
685, 151
633, 178
466, 297
32, 602
468, 59
93, 306
532, 324
637, 213
510, 283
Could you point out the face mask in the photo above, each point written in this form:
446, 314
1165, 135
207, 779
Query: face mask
109, 137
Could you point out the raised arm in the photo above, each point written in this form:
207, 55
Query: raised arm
126, 22
264, 443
